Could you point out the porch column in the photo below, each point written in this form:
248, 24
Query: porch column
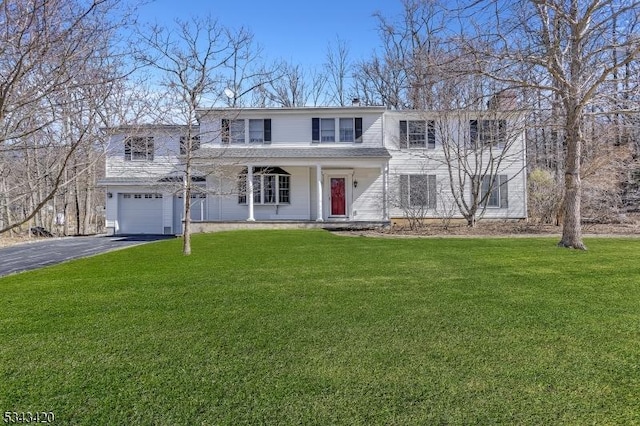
319, 192
385, 199
250, 192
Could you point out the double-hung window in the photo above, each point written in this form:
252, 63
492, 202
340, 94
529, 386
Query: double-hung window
324, 129
271, 185
236, 131
232, 131
418, 191
488, 132
496, 195
346, 130
417, 134
327, 130
138, 148
195, 144
260, 130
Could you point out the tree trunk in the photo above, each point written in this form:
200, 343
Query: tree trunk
572, 226
76, 199
186, 235
89, 205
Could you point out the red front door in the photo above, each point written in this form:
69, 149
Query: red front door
338, 199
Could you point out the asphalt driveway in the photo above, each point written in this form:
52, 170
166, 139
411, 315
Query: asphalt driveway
33, 255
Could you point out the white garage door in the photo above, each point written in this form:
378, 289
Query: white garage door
140, 213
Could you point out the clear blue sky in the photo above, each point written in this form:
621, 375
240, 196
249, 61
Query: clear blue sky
297, 31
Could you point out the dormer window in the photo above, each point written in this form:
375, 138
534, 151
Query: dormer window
138, 148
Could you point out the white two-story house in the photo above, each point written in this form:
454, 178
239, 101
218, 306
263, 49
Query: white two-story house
308, 165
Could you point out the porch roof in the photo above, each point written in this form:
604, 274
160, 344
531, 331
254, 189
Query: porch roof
145, 181
293, 153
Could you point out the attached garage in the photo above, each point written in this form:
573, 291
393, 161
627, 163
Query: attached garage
140, 213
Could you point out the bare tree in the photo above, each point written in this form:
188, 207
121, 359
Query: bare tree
478, 147
197, 61
55, 58
338, 71
565, 49
291, 88
405, 75
190, 58
245, 70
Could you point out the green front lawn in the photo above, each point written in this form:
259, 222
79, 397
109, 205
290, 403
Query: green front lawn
282, 327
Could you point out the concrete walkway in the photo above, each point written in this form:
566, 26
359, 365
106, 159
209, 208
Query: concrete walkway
36, 254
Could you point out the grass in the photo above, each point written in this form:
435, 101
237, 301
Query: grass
282, 327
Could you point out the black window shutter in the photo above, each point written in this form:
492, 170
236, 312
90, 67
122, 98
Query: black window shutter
225, 131
431, 186
404, 191
504, 192
150, 148
473, 132
127, 149
403, 134
358, 128
485, 185
431, 134
502, 132
315, 130
267, 130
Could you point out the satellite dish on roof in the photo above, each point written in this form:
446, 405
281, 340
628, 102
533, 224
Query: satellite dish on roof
229, 93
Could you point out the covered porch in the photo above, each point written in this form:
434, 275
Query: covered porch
295, 186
